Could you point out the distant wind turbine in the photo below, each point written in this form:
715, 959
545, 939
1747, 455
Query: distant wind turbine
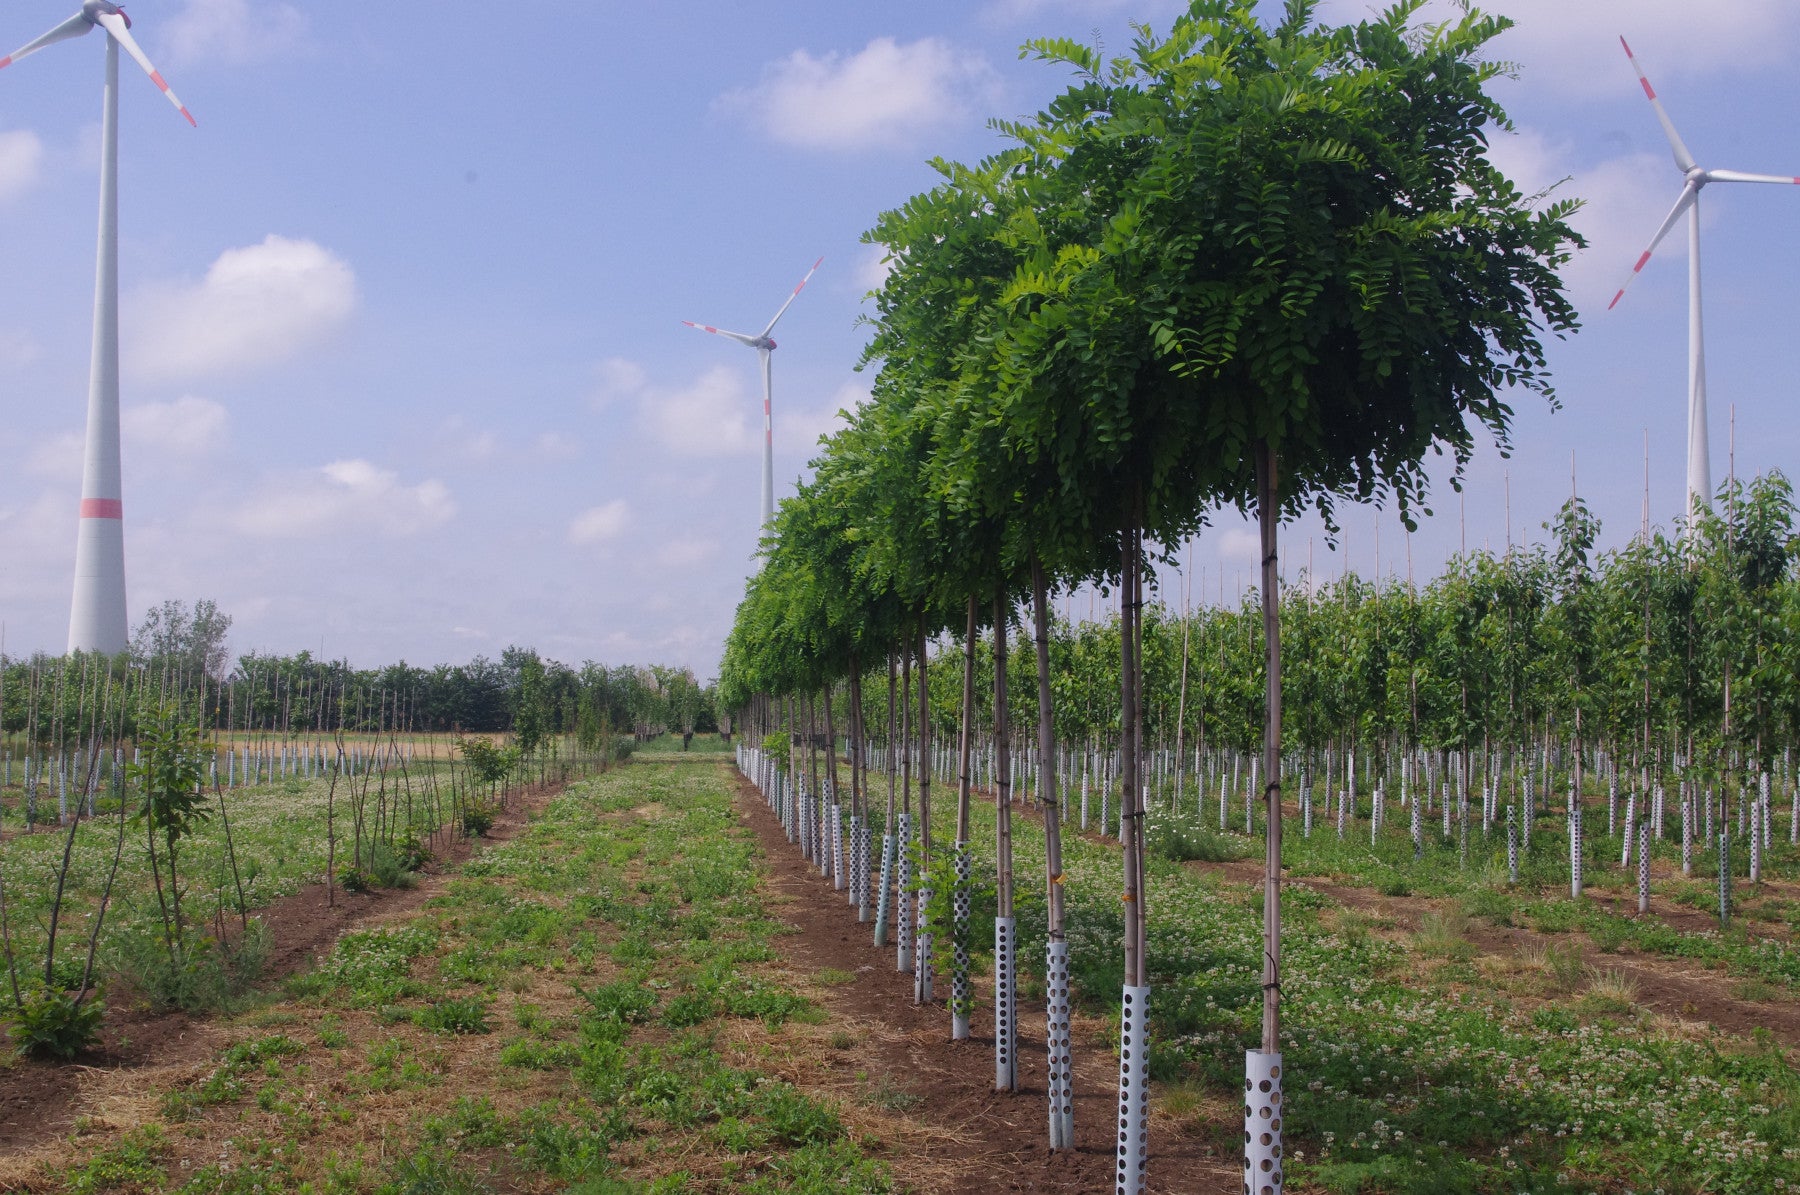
764, 346
1699, 466
97, 620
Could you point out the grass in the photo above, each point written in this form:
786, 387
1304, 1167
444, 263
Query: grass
576, 1009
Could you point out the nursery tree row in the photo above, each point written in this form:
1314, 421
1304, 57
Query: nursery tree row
1261, 266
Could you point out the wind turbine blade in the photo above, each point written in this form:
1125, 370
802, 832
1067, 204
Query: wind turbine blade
1738, 176
115, 25
737, 336
792, 297
1689, 194
1683, 158
75, 26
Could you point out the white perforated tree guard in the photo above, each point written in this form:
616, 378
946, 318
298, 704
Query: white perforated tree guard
853, 864
884, 893
1006, 1025
1643, 867
903, 929
1512, 845
1575, 852
839, 881
1630, 834
962, 990
1687, 835
1061, 1081
922, 992
1134, 1119
1262, 1123
1724, 878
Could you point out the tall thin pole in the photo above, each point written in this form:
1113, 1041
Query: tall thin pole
768, 478
1699, 466
97, 620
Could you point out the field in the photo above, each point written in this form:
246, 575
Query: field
638, 985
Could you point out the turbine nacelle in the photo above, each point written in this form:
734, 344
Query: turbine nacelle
93, 10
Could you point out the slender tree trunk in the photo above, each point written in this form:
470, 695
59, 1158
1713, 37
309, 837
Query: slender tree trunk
1060, 1088
1006, 1025
1268, 514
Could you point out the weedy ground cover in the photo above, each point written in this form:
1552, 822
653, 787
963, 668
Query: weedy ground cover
592, 1006
1422, 1063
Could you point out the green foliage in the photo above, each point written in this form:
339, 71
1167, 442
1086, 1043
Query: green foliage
207, 975
488, 764
53, 1024
467, 1014
1185, 838
477, 818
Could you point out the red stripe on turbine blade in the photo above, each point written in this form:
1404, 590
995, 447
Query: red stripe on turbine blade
6, 62
1648, 90
156, 78
1616, 298
1641, 262
190, 118
102, 508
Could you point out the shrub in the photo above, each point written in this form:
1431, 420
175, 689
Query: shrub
54, 1024
205, 975
477, 819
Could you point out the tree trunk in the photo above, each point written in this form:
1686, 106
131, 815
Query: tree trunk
1060, 1087
1006, 1032
1268, 516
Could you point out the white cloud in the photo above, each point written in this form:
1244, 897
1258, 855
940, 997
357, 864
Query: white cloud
345, 496
600, 523
187, 427
256, 306
555, 446
709, 417
21, 162
686, 553
885, 94
872, 270
799, 430
617, 378
1625, 198
1575, 47
18, 349
231, 31
57, 459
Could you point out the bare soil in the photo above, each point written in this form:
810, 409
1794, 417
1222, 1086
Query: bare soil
988, 1141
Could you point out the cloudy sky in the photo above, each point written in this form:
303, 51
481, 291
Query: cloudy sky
404, 372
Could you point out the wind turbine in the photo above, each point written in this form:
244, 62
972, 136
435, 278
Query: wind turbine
1695, 179
97, 619
764, 347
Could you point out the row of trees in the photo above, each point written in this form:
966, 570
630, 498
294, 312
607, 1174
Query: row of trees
52, 701
1261, 266
1668, 646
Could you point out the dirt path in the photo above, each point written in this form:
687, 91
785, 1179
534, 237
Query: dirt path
40, 1100
990, 1142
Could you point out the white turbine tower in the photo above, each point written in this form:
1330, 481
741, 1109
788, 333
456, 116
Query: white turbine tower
1695, 178
764, 347
97, 620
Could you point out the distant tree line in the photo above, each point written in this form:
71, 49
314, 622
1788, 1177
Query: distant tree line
179, 654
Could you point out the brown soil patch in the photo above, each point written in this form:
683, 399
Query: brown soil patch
40, 1101
980, 1140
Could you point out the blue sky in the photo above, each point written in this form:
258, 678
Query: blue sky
404, 370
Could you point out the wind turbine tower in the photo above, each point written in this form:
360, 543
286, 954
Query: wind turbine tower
97, 619
1694, 178
764, 348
